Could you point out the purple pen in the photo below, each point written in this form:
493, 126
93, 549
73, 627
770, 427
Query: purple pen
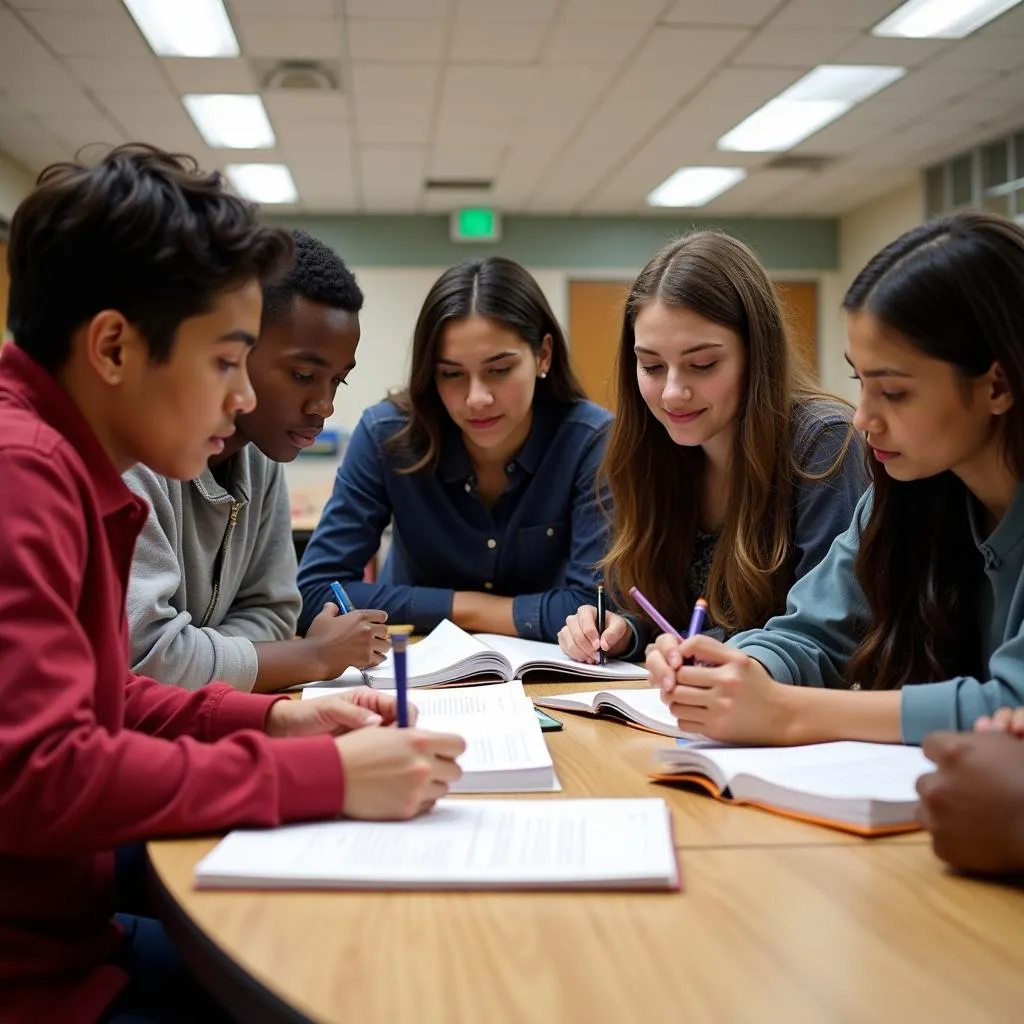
700, 609
653, 612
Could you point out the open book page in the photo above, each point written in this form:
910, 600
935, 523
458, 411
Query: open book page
461, 844
526, 655
446, 653
505, 748
643, 706
845, 770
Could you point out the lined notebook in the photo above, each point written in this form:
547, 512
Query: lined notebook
641, 707
865, 788
460, 844
449, 654
505, 748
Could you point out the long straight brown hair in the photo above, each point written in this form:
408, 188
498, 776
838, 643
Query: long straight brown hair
654, 484
502, 291
954, 290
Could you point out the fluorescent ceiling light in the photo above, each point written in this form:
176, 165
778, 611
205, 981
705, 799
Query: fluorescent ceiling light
941, 19
818, 99
695, 186
231, 121
185, 28
263, 183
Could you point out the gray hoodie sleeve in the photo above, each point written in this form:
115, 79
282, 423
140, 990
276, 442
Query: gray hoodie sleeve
164, 643
267, 603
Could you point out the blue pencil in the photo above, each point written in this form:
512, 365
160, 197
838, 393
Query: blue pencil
401, 679
344, 601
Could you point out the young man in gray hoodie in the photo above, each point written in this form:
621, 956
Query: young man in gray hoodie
213, 592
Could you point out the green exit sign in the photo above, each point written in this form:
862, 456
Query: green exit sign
476, 225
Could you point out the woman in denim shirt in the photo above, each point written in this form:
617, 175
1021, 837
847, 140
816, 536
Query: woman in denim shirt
730, 471
485, 466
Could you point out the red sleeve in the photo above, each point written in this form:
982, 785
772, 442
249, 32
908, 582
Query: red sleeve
69, 783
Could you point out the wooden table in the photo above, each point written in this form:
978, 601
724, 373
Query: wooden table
778, 920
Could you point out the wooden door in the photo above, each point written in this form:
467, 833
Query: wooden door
595, 324
800, 307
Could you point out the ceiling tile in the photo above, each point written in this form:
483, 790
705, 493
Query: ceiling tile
328, 187
394, 103
32, 145
289, 38
999, 53
1009, 24
834, 13
272, 8
88, 35
445, 200
1008, 87
923, 90
673, 48
415, 41
160, 120
639, 101
467, 161
415, 10
589, 42
57, 104
392, 177
485, 104
755, 192
328, 140
901, 53
506, 13
749, 13
300, 106
64, 5
795, 47
611, 10
190, 74
99, 73
25, 63
498, 42
84, 131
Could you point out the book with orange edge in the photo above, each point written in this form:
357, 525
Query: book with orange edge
867, 789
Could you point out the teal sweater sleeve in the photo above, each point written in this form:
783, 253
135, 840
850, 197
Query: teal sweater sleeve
826, 611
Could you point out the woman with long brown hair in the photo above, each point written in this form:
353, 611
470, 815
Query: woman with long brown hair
484, 465
729, 472
921, 600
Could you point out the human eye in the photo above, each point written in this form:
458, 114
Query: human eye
449, 374
704, 367
894, 396
650, 369
302, 378
500, 371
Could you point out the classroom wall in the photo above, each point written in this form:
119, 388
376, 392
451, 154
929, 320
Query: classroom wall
397, 259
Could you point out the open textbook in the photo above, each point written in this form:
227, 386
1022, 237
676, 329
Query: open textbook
460, 844
866, 788
505, 748
448, 654
640, 707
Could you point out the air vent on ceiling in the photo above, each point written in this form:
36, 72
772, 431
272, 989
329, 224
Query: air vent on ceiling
799, 163
459, 184
306, 75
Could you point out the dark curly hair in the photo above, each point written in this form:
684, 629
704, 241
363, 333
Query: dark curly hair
318, 274
141, 231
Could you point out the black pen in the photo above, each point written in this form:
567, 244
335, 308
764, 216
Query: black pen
600, 620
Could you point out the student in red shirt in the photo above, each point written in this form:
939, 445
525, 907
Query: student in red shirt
135, 297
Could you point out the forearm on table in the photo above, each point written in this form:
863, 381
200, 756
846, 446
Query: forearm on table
483, 613
821, 716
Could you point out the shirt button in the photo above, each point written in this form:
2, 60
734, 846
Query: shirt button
488, 585
469, 487
551, 531
492, 543
510, 468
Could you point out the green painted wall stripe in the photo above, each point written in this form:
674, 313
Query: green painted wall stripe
571, 242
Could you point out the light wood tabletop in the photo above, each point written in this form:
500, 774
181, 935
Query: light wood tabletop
778, 920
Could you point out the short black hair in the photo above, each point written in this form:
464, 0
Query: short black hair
141, 231
318, 274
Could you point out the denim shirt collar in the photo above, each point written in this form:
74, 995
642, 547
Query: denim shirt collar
454, 464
